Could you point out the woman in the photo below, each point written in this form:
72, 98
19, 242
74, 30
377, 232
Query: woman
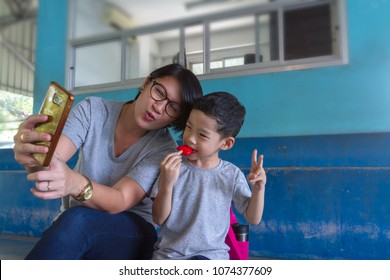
120, 148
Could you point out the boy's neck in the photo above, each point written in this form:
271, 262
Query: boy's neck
206, 163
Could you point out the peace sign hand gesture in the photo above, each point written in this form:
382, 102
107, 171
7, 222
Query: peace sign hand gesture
257, 177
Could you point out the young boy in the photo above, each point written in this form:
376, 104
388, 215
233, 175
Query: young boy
193, 194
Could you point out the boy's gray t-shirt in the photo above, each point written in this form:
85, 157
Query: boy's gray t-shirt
200, 215
91, 127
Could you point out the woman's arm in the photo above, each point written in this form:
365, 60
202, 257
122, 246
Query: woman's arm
58, 180
122, 196
64, 181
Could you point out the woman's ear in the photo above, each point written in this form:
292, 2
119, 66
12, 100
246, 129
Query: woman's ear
228, 143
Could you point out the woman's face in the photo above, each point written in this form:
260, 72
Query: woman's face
152, 114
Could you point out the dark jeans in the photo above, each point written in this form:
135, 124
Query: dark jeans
199, 257
84, 233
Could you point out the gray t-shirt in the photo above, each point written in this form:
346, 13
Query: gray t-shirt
200, 215
91, 126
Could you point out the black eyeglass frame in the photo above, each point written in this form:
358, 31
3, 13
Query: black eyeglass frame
158, 96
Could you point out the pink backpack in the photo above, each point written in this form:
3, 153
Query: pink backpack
239, 250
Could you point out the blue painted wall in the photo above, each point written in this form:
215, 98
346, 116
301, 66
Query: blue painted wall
324, 133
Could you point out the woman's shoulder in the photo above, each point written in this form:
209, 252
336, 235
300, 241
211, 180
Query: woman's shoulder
98, 104
100, 101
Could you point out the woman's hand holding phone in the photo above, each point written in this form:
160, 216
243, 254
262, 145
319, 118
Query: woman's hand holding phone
38, 135
56, 106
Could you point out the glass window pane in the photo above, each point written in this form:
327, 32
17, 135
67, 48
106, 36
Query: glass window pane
268, 37
194, 48
232, 38
216, 64
197, 68
308, 32
148, 52
98, 64
236, 61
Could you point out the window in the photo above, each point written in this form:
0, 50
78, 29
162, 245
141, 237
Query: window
89, 62
248, 38
14, 108
308, 32
150, 51
230, 40
17, 59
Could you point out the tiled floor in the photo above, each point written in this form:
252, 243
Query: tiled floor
14, 247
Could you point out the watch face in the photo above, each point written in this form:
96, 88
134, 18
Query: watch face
88, 193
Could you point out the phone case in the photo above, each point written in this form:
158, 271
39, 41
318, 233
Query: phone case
57, 104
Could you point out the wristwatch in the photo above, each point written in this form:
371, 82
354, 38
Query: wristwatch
87, 192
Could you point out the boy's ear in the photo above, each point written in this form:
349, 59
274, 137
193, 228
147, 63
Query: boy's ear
228, 143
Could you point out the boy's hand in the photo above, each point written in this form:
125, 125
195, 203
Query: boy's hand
169, 169
256, 177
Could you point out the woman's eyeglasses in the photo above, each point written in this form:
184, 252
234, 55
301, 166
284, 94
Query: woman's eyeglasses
159, 93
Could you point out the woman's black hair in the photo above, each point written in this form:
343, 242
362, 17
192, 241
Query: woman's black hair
190, 87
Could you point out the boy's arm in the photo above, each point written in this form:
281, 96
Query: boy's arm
162, 204
254, 212
257, 179
169, 172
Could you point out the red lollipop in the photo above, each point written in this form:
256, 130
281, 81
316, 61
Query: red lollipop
185, 150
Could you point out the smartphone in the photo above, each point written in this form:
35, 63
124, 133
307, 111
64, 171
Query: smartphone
56, 105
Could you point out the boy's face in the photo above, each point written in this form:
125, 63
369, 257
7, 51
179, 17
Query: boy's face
202, 136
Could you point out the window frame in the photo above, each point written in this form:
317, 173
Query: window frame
254, 68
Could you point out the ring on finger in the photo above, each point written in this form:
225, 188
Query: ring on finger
22, 137
48, 186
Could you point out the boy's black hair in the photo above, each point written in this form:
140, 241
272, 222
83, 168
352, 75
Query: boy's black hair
225, 109
190, 85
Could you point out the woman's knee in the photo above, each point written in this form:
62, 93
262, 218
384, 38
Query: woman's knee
73, 219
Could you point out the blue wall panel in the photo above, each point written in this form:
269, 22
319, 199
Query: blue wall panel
20, 212
352, 150
324, 213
